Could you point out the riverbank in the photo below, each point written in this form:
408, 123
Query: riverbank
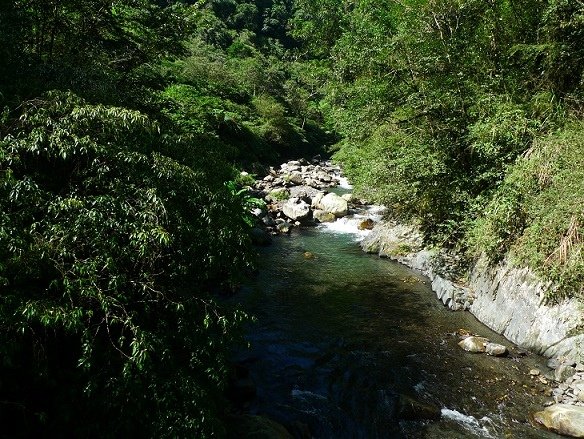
507, 299
510, 301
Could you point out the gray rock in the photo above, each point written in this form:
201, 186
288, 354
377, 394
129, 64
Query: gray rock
563, 372
510, 301
388, 239
347, 197
317, 199
563, 419
296, 209
305, 193
474, 344
578, 385
496, 350
294, 178
334, 204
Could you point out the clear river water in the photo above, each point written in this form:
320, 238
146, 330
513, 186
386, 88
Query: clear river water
340, 335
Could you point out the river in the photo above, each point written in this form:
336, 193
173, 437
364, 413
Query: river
340, 335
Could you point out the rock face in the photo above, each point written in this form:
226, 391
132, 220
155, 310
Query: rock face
510, 301
506, 299
563, 419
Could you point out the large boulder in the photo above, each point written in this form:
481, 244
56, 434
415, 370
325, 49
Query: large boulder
334, 204
563, 419
294, 178
296, 209
317, 199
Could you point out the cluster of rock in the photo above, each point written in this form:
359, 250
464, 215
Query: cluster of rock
570, 378
297, 194
479, 345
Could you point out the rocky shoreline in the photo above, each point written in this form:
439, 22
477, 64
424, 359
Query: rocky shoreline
506, 299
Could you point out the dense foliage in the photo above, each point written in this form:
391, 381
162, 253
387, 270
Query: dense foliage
123, 128
443, 105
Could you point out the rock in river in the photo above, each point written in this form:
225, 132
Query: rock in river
563, 419
323, 217
474, 344
296, 209
367, 224
496, 350
334, 204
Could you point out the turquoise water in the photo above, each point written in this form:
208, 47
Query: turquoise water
341, 334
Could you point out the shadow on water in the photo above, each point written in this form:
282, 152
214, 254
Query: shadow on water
342, 339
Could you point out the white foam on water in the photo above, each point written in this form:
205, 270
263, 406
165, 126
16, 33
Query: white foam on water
346, 226
350, 224
344, 183
470, 423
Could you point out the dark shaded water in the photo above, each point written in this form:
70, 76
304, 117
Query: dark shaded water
339, 336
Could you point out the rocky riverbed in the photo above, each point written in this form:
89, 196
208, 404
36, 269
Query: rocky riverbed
298, 193
301, 194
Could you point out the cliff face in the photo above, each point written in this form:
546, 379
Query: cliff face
508, 300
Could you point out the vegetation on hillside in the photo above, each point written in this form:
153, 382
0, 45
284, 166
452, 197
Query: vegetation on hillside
123, 127
447, 109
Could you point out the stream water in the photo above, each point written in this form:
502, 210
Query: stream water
341, 334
